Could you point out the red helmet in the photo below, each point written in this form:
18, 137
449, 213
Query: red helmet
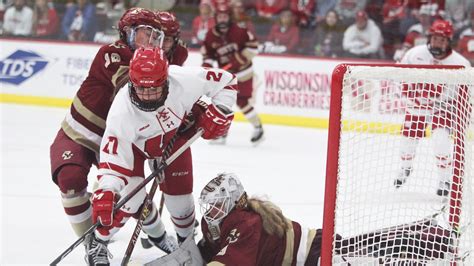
138, 16
169, 23
441, 27
222, 8
148, 68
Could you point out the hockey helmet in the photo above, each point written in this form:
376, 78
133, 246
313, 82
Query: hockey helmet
148, 78
169, 23
442, 28
138, 17
219, 197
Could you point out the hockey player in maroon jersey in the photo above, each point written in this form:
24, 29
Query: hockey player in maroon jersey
143, 118
76, 146
430, 104
233, 48
242, 230
175, 49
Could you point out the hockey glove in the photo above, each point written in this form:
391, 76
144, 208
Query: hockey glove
215, 122
103, 203
188, 127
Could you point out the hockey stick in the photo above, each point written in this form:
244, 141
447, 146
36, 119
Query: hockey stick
147, 203
130, 195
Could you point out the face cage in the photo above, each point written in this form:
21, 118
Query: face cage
438, 51
216, 209
154, 42
148, 106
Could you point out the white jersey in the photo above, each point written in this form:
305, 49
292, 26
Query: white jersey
132, 135
423, 97
420, 55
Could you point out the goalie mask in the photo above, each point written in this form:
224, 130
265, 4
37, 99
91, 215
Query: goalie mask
218, 198
440, 37
148, 79
139, 27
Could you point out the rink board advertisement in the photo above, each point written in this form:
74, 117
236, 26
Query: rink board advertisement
288, 90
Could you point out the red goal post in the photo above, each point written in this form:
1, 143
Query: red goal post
367, 220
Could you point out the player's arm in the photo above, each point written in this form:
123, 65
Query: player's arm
221, 87
243, 58
111, 64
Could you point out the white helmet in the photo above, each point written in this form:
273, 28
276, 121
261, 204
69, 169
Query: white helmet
218, 198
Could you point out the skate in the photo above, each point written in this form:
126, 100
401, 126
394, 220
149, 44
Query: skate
257, 135
165, 243
218, 141
97, 253
443, 189
402, 177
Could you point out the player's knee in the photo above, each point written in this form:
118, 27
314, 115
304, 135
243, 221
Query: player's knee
72, 179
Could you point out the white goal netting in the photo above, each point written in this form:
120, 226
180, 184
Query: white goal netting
405, 167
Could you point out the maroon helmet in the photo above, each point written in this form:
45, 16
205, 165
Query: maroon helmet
169, 23
148, 78
137, 16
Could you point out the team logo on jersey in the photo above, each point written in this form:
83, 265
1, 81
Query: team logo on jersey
20, 66
67, 155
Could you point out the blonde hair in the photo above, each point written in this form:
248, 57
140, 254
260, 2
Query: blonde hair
273, 220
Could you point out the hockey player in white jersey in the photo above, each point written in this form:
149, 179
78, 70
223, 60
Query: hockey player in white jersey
427, 104
142, 119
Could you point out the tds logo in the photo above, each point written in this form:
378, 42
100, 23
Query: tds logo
20, 66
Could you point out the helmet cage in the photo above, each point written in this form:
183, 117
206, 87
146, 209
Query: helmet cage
156, 36
148, 105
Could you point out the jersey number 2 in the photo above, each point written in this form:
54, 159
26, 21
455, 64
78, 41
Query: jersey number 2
214, 76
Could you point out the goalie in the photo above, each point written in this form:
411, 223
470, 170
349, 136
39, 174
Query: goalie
238, 230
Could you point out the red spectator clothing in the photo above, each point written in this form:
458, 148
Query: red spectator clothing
416, 4
270, 8
47, 24
466, 47
416, 35
393, 10
201, 26
303, 9
288, 37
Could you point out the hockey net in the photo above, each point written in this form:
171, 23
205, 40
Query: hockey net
367, 219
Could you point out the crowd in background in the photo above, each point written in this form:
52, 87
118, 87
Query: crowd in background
371, 29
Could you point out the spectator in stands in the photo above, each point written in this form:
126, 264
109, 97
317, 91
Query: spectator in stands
240, 17
202, 23
303, 11
321, 10
466, 42
270, 8
418, 33
393, 12
327, 40
347, 10
18, 19
79, 22
284, 35
363, 39
45, 20
458, 12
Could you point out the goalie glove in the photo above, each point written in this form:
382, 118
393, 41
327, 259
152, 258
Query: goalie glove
215, 121
103, 202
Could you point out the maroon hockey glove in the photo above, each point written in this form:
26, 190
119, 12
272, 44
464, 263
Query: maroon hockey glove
103, 203
215, 122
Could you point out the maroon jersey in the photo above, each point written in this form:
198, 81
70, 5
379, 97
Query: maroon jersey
85, 123
244, 242
180, 54
233, 50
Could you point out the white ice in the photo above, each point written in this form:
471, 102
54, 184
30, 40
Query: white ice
288, 168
